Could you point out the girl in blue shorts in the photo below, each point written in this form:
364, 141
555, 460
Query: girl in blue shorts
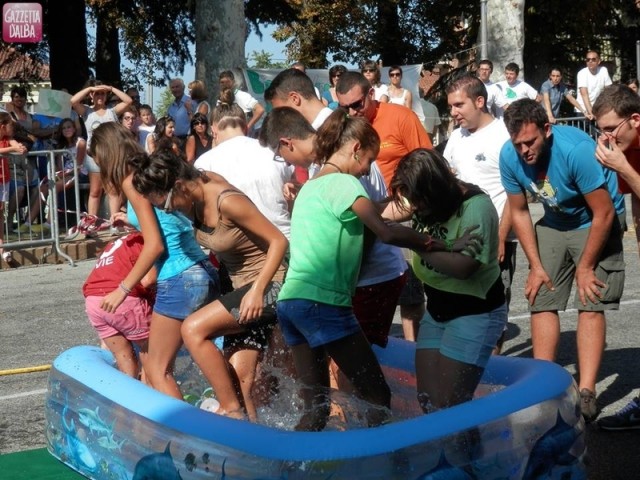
466, 310
186, 279
314, 305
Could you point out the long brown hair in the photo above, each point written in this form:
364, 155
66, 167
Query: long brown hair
112, 145
338, 129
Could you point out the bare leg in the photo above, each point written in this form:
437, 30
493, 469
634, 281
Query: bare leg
545, 335
313, 372
125, 356
356, 360
411, 316
443, 382
115, 202
245, 362
95, 193
143, 354
211, 321
635, 216
590, 338
164, 343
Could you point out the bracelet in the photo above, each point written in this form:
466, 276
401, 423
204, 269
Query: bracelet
448, 245
124, 288
428, 245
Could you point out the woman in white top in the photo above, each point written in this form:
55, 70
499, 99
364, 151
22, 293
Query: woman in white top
371, 72
396, 93
95, 116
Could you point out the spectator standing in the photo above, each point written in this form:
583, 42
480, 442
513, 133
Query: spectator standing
496, 101
200, 141
617, 112
514, 89
432, 122
396, 93
250, 106
553, 91
634, 85
591, 81
181, 110
129, 120
199, 95
579, 237
371, 72
95, 116
329, 97
147, 124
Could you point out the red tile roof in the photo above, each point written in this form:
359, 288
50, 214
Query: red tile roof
16, 66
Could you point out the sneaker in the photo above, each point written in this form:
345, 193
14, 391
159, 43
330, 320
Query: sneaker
588, 405
626, 419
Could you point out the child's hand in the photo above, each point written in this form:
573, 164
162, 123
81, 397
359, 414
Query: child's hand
20, 149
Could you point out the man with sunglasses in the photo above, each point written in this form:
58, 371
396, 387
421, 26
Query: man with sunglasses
400, 132
579, 236
617, 113
591, 81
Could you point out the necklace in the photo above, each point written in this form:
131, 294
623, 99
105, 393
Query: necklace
334, 166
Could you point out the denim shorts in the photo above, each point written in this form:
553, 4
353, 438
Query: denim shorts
307, 321
181, 295
468, 339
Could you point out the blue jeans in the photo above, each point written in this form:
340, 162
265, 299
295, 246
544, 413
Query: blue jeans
181, 295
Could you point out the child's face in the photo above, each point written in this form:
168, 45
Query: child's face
6, 130
169, 129
68, 130
146, 116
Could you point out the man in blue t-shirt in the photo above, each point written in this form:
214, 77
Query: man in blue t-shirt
579, 236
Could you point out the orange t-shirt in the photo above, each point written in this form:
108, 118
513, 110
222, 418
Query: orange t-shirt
5, 173
634, 161
400, 132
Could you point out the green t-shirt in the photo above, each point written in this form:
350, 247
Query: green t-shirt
326, 241
477, 210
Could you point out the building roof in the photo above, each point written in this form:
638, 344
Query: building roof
18, 66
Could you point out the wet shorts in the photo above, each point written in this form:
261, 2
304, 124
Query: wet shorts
560, 252
259, 330
375, 305
131, 319
181, 295
307, 321
468, 339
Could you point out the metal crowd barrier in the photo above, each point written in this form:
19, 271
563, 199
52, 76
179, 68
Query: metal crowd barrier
41, 195
582, 123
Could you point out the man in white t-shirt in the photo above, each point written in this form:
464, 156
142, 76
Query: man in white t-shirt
473, 151
293, 88
591, 81
250, 168
249, 105
514, 89
496, 102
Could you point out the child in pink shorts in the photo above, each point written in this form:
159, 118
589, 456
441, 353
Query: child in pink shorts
129, 324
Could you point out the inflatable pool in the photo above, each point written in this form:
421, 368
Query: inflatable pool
525, 423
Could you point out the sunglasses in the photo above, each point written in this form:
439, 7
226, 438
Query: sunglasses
357, 105
592, 59
369, 70
128, 118
199, 122
395, 74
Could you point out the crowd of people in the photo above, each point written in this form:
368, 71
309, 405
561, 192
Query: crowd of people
322, 215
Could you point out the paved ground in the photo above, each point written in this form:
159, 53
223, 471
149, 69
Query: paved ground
42, 314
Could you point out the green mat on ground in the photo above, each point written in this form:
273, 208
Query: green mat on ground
35, 464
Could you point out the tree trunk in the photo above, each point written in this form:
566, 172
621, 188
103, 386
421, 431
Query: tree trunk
220, 39
505, 34
68, 56
107, 48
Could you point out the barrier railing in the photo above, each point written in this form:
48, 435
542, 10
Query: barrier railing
27, 223
582, 123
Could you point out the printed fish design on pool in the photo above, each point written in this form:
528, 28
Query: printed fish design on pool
157, 466
551, 449
91, 419
78, 452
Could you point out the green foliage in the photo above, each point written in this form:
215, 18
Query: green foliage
263, 59
163, 104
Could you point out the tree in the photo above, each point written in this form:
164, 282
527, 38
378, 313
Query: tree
220, 39
505, 33
263, 59
66, 32
165, 101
